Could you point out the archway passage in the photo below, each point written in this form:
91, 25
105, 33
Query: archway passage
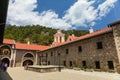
30, 62
6, 60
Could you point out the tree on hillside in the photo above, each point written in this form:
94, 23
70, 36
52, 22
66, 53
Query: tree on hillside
36, 34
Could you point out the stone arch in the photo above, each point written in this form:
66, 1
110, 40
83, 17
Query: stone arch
28, 53
29, 61
28, 57
5, 60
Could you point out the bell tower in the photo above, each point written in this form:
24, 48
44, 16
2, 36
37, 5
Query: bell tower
91, 30
59, 37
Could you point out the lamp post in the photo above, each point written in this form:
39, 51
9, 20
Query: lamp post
59, 68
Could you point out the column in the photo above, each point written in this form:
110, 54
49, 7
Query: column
11, 58
14, 58
36, 58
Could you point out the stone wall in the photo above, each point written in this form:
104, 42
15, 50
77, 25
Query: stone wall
116, 33
89, 53
19, 56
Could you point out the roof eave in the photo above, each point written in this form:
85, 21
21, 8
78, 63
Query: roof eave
114, 23
78, 40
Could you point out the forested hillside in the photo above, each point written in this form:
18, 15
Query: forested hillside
36, 34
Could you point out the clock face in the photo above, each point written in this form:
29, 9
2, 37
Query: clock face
5, 50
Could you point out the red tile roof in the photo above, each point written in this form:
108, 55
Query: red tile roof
8, 41
95, 33
72, 38
31, 46
57, 43
25, 46
87, 36
40, 47
114, 23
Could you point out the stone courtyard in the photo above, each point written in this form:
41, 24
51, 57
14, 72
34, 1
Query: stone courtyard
19, 73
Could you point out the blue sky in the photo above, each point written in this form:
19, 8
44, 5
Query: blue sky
59, 6
64, 14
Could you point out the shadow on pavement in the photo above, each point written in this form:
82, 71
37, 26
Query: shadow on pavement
4, 75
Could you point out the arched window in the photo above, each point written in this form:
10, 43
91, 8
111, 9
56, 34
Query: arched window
28, 55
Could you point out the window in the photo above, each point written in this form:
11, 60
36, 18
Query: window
79, 49
84, 63
28, 55
58, 54
48, 62
67, 51
70, 63
97, 64
60, 39
51, 53
110, 65
99, 45
64, 63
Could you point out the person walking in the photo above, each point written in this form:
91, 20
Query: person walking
5, 67
26, 66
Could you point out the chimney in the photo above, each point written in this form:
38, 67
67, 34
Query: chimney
73, 35
28, 42
91, 30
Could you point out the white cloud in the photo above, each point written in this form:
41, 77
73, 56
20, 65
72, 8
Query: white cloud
22, 13
105, 7
81, 13
50, 18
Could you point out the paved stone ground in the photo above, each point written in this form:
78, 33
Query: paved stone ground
20, 74
4, 75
